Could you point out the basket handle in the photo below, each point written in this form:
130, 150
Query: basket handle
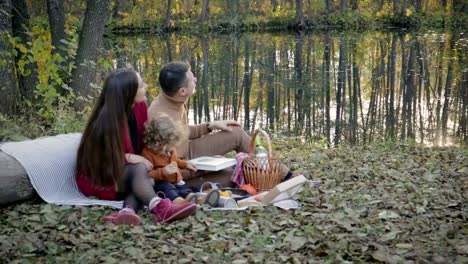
266, 137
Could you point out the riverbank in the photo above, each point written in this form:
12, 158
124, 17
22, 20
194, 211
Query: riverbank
322, 23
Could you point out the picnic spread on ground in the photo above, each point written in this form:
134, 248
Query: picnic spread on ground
54, 179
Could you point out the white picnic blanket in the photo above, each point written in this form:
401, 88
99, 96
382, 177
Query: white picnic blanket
50, 163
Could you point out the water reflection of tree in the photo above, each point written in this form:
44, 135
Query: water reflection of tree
337, 89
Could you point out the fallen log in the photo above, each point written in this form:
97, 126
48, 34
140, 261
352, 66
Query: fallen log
14, 181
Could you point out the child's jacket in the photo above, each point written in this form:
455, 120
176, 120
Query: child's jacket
160, 160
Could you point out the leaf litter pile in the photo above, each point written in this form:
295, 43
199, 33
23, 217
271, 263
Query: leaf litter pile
391, 203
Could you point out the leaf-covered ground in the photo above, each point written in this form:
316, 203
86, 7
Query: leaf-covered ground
378, 203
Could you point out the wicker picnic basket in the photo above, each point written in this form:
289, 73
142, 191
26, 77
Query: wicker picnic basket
263, 174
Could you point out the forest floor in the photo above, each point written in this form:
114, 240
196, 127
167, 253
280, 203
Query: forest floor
392, 203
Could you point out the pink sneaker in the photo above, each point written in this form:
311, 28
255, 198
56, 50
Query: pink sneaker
125, 216
168, 212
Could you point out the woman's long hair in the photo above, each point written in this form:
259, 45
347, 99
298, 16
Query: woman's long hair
101, 152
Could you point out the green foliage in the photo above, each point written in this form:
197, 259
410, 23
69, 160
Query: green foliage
50, 111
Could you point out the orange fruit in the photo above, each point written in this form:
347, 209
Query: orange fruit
249, 188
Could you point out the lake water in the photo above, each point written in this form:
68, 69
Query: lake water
335, 88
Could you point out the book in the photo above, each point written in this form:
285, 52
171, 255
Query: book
285, 190
213, 163
255, 200
282, 191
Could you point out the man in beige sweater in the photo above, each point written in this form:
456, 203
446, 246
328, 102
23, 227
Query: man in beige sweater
178, 83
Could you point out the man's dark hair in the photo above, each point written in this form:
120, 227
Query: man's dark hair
172, 76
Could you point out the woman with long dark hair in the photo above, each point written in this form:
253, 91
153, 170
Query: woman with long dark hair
109, 165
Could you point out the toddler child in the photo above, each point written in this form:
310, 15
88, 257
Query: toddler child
161, 136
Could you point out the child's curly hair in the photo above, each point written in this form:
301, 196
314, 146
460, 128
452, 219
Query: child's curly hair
162, 132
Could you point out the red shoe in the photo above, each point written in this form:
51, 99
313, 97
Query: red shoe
125, 216
168, 212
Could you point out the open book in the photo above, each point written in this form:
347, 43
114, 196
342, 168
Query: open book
213, 163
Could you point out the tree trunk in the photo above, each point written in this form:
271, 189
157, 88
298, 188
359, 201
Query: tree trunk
356, 88
8, 89
299, 82
354, 5
448, 91
57, 25
439, 76
391, 104
403, 7
235, 79
343, 6
328, 6
227, 84
396, 9
326, 58
463, 130
418, 6
28, 79
340, 88
91, 39
204, 43
274, 4
205, 10
271, 90
167, 23
120, 55
116, 10
246, 84
419, 89
169, 46
299, 15
409, 93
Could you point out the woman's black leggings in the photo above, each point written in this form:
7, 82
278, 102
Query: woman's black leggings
139, 186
